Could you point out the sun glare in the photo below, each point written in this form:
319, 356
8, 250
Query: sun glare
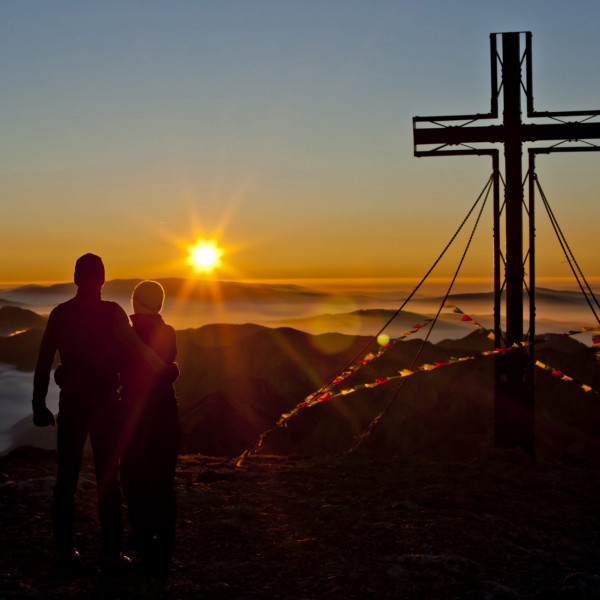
204, 255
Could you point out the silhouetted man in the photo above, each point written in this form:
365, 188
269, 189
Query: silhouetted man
91, 336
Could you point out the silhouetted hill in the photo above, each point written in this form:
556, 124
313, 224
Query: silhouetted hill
227, 421
21, 350
13, 318
240, 388
477, 341
236, 380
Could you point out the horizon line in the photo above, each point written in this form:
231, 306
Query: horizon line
7, 285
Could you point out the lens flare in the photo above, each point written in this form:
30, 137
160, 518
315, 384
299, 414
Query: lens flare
383, 339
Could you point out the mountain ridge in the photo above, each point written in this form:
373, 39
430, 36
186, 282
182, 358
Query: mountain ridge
236, 380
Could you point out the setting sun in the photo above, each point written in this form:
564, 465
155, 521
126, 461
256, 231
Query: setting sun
204, 255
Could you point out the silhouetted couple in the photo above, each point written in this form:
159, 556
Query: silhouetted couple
116, 385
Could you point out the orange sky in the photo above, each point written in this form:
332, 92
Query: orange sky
284, 131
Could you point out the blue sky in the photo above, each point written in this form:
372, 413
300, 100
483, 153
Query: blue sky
282, 127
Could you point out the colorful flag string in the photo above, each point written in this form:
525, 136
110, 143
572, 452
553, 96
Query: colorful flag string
465, 318
453, 360
327, 393
561, 375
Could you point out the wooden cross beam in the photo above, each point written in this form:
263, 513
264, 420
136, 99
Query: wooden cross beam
513, 389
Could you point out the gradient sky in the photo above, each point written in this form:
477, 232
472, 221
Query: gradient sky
129, 128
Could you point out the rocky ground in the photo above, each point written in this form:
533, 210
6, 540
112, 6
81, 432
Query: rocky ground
347, 527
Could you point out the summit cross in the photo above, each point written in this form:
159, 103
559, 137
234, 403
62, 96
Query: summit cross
514, 381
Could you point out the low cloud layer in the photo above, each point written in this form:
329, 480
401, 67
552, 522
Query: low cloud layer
16, 390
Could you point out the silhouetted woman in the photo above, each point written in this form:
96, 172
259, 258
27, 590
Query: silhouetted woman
151, 434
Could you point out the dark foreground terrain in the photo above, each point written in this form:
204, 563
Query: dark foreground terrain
350, 527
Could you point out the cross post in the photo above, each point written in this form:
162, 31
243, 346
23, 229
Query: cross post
514, 381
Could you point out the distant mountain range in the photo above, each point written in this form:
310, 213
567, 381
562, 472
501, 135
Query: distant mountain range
370, 321
229, 291
542, 295
193, 303
5, 302
185, 289
236, 380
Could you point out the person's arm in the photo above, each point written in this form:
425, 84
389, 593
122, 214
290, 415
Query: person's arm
133, 346
171, 344
42, 416
173, 371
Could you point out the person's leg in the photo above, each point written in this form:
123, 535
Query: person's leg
104, 436
71, 436
164, 462
134, 479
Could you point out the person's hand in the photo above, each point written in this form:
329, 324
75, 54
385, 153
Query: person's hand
42, 416
172, 371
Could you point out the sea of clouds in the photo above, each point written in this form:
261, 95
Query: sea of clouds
16, 389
